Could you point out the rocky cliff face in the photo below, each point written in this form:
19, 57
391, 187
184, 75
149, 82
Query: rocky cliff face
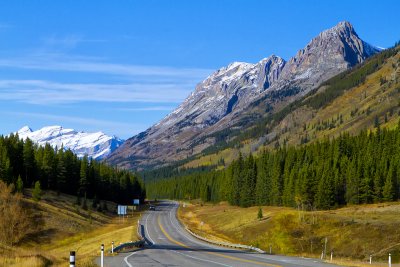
331, 52
221, 98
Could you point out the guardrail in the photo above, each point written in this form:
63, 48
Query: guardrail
130, 245
225, 244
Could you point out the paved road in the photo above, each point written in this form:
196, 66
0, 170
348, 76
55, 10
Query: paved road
171, 245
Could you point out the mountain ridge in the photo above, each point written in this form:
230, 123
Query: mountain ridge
95, 145
220, 101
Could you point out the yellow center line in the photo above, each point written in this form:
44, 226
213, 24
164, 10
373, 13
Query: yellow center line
212, 253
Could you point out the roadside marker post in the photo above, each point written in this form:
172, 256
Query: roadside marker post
112, 247
370, 259
102, 256
270, 249
331, 255
72, 259
390, 260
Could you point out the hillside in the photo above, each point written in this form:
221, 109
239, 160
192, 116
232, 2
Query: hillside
62, 226
350, 102
26, 164
235, 98
353, 233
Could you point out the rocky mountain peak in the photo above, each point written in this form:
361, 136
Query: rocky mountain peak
343, 27
25, 129
222, 100
329, 53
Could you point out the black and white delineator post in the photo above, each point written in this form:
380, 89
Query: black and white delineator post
102, 256
112, 247
72, 259
390, 260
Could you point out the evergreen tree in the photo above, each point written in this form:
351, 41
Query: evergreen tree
61, 171
247, 197
388, 188
20, 185
83, 182
325, 197
28, 161
5, 166
37, 192
260, 213
378, 184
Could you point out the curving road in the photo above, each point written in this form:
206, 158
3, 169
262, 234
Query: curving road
169, 244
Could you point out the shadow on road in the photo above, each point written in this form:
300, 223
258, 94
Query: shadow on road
195, 248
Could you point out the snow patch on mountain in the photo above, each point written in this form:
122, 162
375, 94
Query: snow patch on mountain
95, 145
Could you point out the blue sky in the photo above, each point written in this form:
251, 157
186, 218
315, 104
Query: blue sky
121, 66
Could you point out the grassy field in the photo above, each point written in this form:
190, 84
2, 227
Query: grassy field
65, 227
353, 233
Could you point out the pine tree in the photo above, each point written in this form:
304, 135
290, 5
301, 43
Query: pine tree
61, 171
377, 194
325, 196
37, 192
276, 182
83, 182
20, 185
28, 160
388, 188
5, 165
247, 197
260, 213
48, 168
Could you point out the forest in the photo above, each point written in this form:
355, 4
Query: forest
24, 164
321, 175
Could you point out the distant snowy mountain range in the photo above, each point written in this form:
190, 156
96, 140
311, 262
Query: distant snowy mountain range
95, 145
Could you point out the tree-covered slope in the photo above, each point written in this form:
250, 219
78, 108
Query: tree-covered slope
24, 163
355, 100
325, 174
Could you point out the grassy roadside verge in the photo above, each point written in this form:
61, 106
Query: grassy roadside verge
353, 233
64, 227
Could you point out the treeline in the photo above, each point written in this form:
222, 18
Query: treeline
21, 161
323, 175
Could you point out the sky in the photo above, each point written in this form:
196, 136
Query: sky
121, 66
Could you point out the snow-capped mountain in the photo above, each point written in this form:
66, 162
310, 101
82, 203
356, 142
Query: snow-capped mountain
224, 100
94, 145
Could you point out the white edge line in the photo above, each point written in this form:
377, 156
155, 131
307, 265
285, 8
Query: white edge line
126, 259
147, 232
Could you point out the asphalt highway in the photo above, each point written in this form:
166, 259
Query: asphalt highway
169, 244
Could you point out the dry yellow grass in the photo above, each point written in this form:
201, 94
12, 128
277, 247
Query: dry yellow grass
353, 232
67, 227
